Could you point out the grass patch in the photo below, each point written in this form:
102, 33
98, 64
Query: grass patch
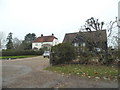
90, 71
6, 57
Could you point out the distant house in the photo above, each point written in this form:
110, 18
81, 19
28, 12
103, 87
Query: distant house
44, 42
94, 39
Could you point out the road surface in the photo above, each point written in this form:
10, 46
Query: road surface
29, 73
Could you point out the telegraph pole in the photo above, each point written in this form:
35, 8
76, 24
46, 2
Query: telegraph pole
119, 25
119, 42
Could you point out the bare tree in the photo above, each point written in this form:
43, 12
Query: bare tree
110, 26
93, 24
112, 29
118, 24
2, 40
16, 43
114, 41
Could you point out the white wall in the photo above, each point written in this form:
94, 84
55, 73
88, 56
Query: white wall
55, 42
39, 44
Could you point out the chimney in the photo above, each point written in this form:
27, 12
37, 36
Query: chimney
41, 35
52, 34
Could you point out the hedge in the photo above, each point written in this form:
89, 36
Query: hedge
21, 52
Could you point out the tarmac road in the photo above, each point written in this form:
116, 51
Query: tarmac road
29, 73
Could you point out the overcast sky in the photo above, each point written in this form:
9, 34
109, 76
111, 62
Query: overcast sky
52, 16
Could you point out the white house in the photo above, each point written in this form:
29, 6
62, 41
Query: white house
44, 41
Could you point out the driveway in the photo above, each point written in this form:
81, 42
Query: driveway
29, 73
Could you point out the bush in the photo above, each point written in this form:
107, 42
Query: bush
83, 60
62, 53
117, 53
109, 58
20, 52
84, 55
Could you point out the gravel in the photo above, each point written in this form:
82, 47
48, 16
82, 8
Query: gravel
29, 73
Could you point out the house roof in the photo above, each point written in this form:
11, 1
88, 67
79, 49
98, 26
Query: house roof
45, 39
69, 37
91, 36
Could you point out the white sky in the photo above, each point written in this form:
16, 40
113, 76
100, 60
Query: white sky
52, 16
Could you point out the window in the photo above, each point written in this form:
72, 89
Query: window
36, 44
76, 44
83, 44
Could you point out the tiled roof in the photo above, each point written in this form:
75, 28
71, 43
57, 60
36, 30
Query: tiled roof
92, 36
45, 39
69, 37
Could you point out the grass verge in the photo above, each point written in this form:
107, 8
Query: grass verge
6, 57
89, 71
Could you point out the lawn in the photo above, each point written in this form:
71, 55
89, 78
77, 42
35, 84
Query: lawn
89, 71
15, 57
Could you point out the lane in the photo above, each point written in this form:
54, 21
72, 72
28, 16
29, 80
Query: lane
35, 62
16, 68
29, 73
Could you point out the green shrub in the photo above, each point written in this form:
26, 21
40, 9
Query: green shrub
84, 55
84, 60
21, 52
117, 53
62, 53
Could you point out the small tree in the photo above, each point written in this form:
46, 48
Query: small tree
30, 37
27, 42
9, 44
